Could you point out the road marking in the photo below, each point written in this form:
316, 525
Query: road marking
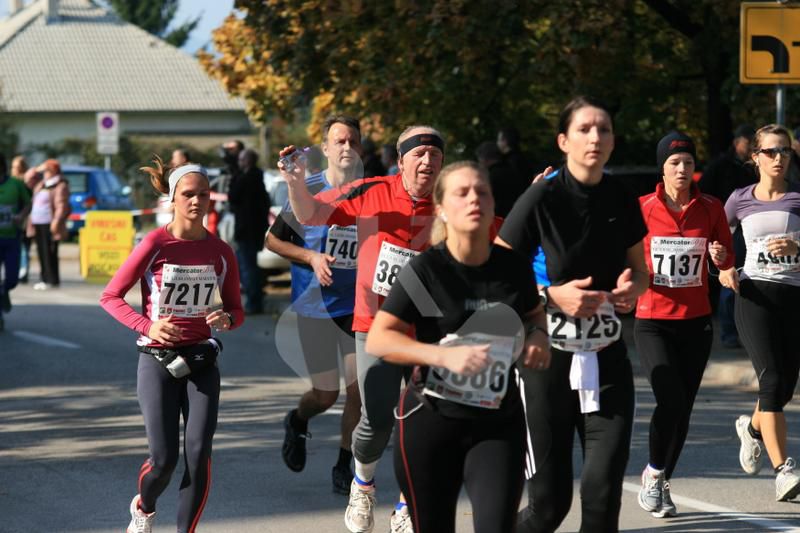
764, 524
45, 340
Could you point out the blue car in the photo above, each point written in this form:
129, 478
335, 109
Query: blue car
94, 188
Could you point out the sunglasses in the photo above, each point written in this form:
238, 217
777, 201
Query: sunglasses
772, 153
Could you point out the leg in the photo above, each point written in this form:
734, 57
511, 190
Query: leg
606, 438
41, 233
550, 409
9, 256
428, 464
159, 399
200, 409
247, 253
494, 473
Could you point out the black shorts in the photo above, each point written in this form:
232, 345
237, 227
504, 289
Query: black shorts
323, 339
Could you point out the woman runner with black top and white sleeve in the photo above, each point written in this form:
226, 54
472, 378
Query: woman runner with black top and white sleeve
474, 311
588, 231
767, 309
179, 268
673, 329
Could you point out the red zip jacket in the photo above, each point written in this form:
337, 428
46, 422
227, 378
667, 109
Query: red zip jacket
668, 234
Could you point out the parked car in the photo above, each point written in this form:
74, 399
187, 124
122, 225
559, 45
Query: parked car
93, 188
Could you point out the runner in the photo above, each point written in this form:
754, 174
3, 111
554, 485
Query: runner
179, 267
323, 294
766, 308
461, 420
591, 264
394, 216
673, 329
15, 203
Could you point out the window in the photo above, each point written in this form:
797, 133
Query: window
78, 182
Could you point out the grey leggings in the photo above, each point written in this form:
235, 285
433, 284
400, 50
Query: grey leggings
379, 385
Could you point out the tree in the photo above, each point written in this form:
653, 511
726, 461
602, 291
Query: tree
468, 67
155, 16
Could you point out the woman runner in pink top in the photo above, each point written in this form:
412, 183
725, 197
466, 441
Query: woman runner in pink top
179, 268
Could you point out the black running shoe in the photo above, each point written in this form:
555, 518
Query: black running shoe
294, 445
342, 476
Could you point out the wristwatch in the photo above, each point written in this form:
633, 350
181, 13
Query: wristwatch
230, 319
544, 296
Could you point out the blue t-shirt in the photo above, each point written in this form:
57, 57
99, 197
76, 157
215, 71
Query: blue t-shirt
308, 297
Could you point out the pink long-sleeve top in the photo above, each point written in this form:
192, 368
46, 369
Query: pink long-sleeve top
177, 277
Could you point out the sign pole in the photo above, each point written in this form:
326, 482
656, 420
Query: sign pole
108, 162
780, 104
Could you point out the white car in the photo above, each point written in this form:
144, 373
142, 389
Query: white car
278, 195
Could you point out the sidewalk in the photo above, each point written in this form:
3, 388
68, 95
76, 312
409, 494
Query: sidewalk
726, 367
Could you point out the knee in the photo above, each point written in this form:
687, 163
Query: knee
772, 392
164, 464
546, 510
196, 451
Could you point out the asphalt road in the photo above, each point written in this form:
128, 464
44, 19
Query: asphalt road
72, 438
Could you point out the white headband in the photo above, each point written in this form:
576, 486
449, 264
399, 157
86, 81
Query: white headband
180, 172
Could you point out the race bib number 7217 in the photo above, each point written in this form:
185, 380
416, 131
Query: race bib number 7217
186, 290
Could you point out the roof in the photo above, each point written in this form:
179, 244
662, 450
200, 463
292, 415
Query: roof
87, 59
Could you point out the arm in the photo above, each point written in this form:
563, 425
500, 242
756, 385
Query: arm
319, 262
113, 297
388, 340
229, 291
633, 281
304, 205
60, 210
536, 352
721, 250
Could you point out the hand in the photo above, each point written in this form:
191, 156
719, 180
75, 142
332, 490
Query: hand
18, 219
165, 332
54, 233
321, 265
536, 352
782, 246
624, 296
298, 173
574, 300
219, 320
718, 253
466, 360
730, 279
546, 172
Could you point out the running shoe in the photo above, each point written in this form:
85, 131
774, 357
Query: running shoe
359, 515
750, 451
294, 445
650, 495
342, 476
400, 522
667, 507
41, 286
787, 483
141, 522
5, 302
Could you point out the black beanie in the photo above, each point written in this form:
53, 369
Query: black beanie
673, 142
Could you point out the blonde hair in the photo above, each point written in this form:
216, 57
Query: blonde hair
439, 228
159, 174
775, 129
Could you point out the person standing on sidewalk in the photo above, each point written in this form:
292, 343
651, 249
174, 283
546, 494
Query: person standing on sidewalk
585, 233
324, 260
179, 268
48, 221
673, 330
394, 215
19, 166
767, 311
15, 202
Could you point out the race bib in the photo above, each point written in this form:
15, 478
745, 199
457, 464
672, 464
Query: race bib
342, 244
486, 389
391, 259
583, 334
759, 260
678, 261
6, 217
187, 290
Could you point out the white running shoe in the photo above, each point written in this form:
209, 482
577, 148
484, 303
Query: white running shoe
787, 483
359, 516
667, 507
400, 522
141, 522
650, 495
750, 451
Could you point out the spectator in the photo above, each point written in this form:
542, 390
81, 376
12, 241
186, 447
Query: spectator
15, 201
389, 159
179, 158
230, 156
507, 186
371, 160
19, 166
313, 160
48, 221
794, 165
250, 203
722, 176
508, 142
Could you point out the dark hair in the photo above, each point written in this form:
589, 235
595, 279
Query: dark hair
347, 120
158, 174
488, 150
579, 102
184, 153
3, 166
744, 130
511, 135
239, 144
